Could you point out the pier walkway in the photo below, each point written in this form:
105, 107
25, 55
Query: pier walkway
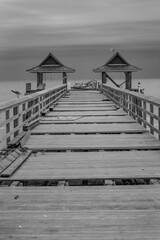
87, 171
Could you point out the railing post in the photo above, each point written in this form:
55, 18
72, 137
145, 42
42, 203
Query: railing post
123, 101
159, 123
139, 112
144, 113
130, 105
151, 119
126, 98
134, 107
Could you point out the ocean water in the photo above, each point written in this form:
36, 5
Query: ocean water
151, 86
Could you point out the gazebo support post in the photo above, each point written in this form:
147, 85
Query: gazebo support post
40, 81
64, 78
117, 64
128, 79
49, 65
103, 78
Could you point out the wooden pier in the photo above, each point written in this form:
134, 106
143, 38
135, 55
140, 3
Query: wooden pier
84, 165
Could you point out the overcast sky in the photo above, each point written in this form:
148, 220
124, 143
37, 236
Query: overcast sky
80, 33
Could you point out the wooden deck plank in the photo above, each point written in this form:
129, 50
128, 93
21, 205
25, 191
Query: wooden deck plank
83, 108
88, 128
89, 113
98, 103
81, 99
91, 165
86, 95
84, 98
109, 198
88, 119
80, 213
76, 105
108, 142
82, 174
73, 198
116, 224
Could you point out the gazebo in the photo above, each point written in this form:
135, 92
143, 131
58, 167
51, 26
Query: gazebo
117, 64
50, 65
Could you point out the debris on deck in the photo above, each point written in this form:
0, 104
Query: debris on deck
90, 85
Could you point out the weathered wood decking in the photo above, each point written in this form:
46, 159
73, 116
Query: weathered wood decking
80, 213
84, 141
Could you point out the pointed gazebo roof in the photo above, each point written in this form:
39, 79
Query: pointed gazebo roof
51, 65
116, 64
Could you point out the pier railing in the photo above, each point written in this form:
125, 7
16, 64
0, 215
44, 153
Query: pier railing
144, 109
17, 114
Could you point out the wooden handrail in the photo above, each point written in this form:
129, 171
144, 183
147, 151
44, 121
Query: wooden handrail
154, 100
24, 99
14, 115
144, 109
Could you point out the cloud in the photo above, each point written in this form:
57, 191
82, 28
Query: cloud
67, 22
80, 33
126, 34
